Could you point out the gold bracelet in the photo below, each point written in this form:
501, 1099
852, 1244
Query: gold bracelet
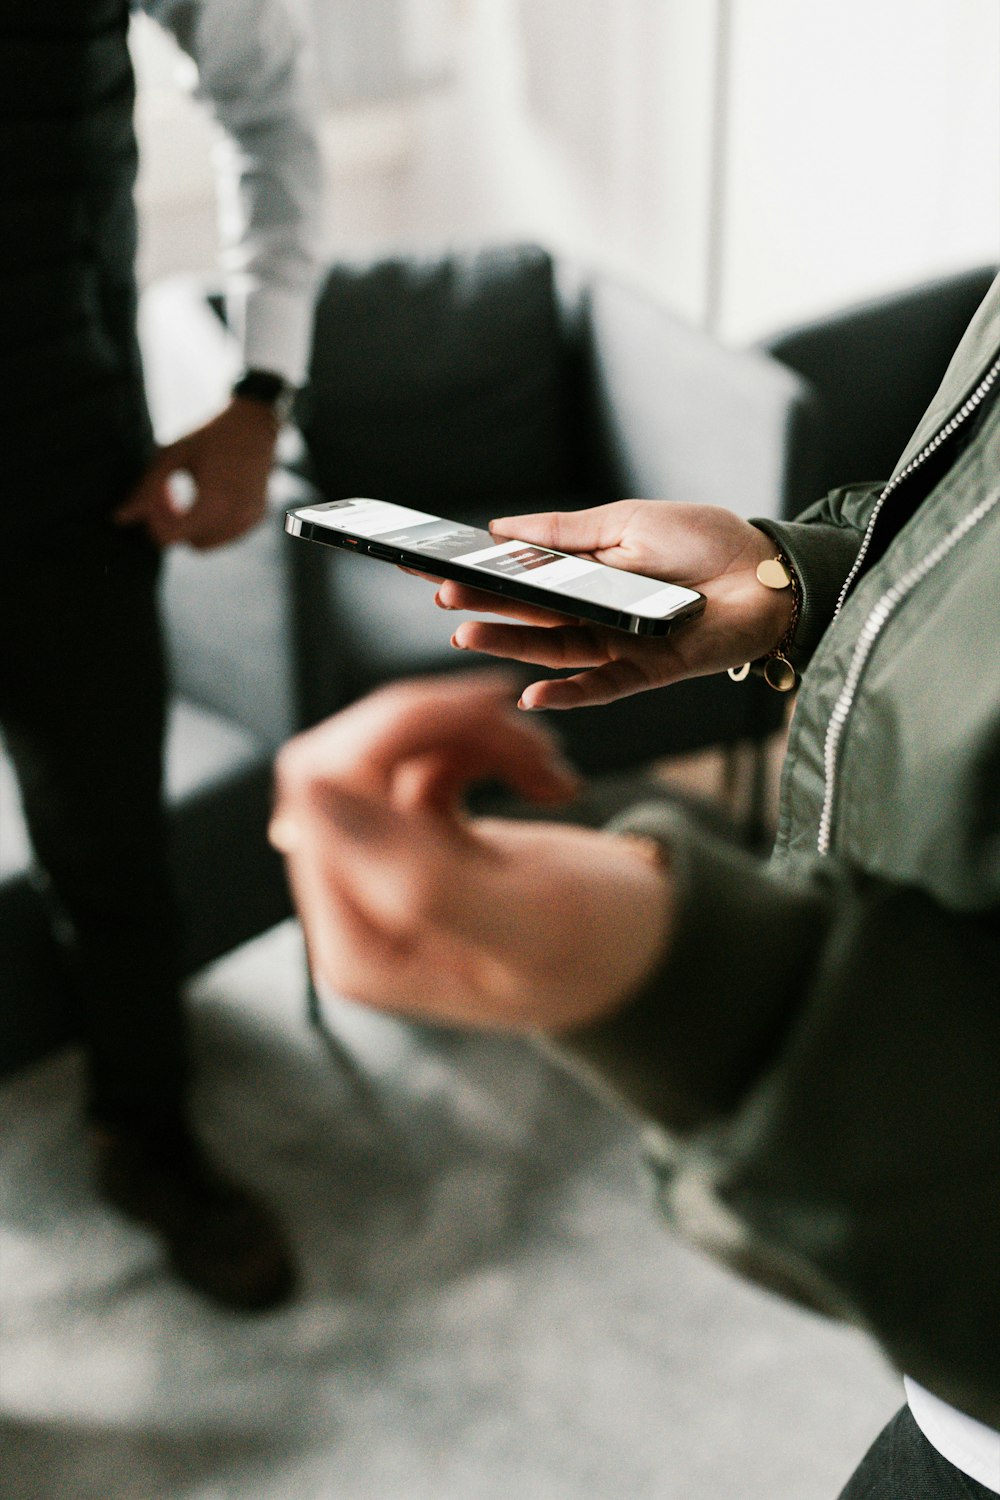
777, 573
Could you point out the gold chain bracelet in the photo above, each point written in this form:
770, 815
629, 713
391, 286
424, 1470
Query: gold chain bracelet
777, 573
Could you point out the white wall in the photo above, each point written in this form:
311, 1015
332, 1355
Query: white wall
827, 151
597, 129
864, 150
757, 161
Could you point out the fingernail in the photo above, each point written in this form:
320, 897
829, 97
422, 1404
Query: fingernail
528, 707
457, 643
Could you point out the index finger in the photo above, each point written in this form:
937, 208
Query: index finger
453, 595
417, 573
468, 724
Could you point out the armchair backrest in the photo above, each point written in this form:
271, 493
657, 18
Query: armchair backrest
440, 383
467, 384
683, 417
874, 369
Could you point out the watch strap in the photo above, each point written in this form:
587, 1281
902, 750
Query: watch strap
269, 389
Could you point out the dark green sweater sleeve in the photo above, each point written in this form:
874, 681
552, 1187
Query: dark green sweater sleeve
818, 1066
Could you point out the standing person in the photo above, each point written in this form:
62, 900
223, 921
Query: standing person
813, 1040
85, 509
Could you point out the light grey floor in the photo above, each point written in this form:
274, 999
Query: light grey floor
490, 1308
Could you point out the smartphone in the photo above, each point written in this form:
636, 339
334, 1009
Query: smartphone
518, 570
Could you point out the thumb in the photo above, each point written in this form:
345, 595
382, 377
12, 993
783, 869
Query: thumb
154, 488
565, 530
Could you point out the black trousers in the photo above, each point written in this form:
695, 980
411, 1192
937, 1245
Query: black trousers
82, 704
902, 1465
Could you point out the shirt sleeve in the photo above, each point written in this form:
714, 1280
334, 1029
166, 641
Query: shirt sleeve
251, 71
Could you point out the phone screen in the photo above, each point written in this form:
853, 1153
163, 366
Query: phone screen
396, 529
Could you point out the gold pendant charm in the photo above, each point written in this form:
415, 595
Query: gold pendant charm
779, 674
773, 574
739, 674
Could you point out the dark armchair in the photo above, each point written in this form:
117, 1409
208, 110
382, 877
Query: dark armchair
472, 385
873, 369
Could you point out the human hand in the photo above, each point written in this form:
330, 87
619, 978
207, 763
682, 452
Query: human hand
228, 462
703, 547
407, 905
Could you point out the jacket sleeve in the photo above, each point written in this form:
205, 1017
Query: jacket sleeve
822, 544
818, 1066
252, 73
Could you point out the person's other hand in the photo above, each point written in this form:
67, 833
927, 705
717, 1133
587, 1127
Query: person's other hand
703, 547
223, 465
408, 905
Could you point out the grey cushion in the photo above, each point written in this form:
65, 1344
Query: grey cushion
439, 382
204, 749
228, 620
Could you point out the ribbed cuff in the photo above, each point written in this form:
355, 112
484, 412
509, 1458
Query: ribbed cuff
701, 1030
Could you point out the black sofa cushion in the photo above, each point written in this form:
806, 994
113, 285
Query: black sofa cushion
440, 383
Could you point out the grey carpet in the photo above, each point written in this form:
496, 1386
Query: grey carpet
489, 1309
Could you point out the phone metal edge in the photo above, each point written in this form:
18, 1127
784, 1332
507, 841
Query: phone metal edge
306, 530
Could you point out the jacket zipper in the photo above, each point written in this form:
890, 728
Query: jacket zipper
893, 597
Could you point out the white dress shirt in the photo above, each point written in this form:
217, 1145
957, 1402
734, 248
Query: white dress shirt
251, 67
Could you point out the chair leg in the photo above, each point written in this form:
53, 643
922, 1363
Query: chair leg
756, 824
745, 787
336, 1049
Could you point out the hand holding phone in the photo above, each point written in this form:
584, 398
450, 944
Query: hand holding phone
598, 591
704, 547
576, 585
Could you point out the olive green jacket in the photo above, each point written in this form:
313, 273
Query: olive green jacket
820, 1054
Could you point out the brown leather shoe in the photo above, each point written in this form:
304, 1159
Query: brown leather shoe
221, 1240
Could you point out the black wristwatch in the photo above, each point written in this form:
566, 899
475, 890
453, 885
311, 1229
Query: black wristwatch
269, 389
